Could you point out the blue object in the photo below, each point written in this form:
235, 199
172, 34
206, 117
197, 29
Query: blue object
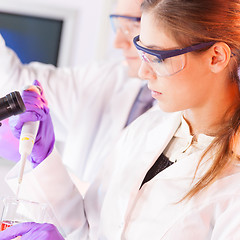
164, 54
136, 19
32, 38
143, 102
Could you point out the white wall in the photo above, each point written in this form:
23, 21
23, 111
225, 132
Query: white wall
93, 31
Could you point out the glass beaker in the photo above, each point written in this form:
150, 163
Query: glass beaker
19, 210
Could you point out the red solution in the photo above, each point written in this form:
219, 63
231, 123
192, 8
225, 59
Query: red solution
4, 225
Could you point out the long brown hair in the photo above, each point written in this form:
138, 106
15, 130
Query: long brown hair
195, 21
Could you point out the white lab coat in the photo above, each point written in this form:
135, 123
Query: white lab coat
89, 105
114, 208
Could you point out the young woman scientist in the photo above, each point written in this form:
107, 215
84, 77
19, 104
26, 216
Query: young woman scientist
190, 52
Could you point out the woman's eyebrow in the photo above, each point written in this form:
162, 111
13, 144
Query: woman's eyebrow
154, 47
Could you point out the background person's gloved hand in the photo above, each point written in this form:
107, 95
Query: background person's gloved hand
36, 110
31, 231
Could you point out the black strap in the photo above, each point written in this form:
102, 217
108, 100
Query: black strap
161, 163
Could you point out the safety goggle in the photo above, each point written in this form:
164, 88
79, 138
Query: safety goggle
167, 62
127, 24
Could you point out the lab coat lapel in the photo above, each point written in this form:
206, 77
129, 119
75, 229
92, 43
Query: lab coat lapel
130, 175
159, 197
159, 136
156, 141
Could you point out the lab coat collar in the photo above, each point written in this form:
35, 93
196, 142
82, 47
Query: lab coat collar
156, 141
183, 131
160, 135
188, 165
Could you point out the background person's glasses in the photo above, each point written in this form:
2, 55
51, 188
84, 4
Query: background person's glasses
167, 62
130, 26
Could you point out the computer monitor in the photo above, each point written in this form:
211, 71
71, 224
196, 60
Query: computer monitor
38, 32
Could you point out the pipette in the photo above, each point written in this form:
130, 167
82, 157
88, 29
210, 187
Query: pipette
27, 139
26, 142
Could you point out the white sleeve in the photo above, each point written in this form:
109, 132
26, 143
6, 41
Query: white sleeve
49, 182
227, 225
58, 83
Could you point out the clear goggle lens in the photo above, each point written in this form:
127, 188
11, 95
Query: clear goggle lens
166, 67
127, 26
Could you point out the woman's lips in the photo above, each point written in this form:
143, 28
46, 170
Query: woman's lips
155, 94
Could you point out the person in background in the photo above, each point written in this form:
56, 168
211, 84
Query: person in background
90, 105
170, 177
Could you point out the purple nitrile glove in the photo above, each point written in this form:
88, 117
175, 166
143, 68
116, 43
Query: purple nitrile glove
36, 110
31, 231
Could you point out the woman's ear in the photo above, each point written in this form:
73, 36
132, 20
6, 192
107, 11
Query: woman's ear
220, 57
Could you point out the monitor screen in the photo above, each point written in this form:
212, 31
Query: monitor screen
32, 38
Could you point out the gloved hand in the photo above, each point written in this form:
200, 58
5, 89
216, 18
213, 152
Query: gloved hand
36, 110
31, 231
